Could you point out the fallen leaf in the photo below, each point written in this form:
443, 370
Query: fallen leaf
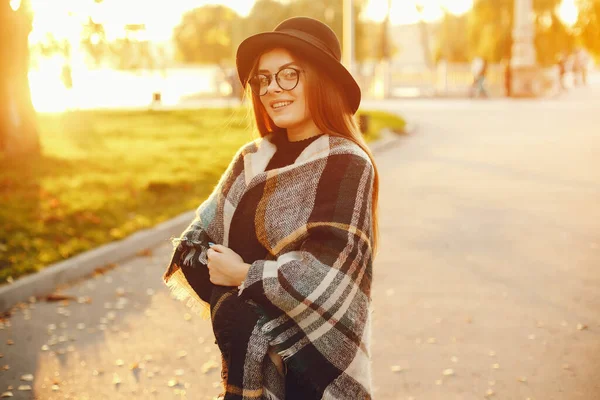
58, 297
120, 362
181, 354
27, 378
6, 394
84, 300
208, 366
24, 388
144, 253
55, 388
448, 372
396, 368
172, 382
116, 379
581, 327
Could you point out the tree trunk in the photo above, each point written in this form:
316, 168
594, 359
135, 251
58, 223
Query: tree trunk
18, 127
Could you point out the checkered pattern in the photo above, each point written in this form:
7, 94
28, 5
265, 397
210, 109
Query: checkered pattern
312, 292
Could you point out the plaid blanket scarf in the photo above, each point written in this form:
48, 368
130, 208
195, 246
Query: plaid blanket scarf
307, 302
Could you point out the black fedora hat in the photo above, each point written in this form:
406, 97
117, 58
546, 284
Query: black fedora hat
309, 39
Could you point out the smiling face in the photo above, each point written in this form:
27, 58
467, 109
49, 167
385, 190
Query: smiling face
287, 108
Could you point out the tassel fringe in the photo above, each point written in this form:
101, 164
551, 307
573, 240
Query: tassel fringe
181, 290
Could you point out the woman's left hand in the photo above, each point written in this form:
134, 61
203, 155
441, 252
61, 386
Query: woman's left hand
225, 266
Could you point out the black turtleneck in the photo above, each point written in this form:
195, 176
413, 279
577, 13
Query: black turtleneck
287, 152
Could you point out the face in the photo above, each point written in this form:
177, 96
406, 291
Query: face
287, 108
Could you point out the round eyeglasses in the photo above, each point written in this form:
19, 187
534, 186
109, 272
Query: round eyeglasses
286, 78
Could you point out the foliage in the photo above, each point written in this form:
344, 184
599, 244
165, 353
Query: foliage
105, 175
588, 25
205, 34
211, 34
489, 29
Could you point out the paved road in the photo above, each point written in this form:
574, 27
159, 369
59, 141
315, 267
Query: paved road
491, 252
486, 283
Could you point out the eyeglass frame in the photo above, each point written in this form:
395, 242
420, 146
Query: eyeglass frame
276, 76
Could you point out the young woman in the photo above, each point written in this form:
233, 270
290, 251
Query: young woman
281, 252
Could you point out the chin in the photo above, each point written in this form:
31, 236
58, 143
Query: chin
283, 122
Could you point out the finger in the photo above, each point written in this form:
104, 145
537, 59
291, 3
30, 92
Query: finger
211, 253
219, 248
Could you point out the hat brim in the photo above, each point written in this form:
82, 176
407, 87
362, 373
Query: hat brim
255, 45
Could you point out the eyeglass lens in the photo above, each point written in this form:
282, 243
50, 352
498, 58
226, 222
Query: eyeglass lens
286, 79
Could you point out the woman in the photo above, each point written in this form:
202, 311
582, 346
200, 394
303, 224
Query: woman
288, 282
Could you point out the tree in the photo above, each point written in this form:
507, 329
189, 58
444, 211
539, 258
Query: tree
205, 34
266, 14
588, 25
93, 40
489, 28
452, 42
18, 130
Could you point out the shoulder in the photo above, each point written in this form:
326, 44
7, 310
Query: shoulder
345, 149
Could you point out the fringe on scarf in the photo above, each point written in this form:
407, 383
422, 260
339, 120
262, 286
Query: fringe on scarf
176, 281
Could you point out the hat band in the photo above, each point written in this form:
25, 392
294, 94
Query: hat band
315, 41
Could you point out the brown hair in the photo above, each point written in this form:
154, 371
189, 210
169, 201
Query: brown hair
331, 114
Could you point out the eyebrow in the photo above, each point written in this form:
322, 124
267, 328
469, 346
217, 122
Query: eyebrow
280, 68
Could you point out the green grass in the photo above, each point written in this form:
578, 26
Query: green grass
105, 175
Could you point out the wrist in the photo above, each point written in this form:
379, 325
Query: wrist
244, 268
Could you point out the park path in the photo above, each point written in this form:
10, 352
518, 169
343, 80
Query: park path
486, 284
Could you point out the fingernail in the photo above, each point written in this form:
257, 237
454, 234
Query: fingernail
210, 244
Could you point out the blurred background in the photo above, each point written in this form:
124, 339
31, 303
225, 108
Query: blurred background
108, 53
117, 116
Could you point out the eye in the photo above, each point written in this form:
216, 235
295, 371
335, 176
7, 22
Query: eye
289, 74
259, 80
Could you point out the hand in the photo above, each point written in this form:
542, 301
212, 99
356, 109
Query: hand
225, 266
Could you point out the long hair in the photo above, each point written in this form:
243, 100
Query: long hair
332, 114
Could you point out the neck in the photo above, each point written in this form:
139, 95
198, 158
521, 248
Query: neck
304, 131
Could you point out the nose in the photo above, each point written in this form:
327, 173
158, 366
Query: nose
273, 85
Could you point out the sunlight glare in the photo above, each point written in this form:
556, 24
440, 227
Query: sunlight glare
568, 12
405, 11
457, 7
15, 4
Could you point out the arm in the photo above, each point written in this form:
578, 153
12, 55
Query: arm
186, 273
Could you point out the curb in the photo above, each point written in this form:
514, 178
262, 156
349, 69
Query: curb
83, 265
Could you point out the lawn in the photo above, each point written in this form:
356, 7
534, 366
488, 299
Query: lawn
105, 175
